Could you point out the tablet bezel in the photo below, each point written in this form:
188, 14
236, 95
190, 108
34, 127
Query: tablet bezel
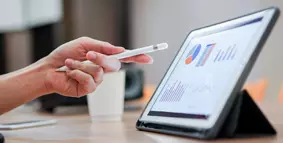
267, 15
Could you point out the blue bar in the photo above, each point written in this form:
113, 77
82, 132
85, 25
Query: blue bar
229, 56
220, 57
217, 55
202, 56
226, 53
234, 53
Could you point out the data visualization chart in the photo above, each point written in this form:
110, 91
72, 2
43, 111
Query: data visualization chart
224, 55
174, 92
193, 54
205, 55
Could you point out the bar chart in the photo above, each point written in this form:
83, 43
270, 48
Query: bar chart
224, 55
174, 92
205, 55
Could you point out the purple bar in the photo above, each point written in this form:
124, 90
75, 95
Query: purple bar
170, 92
226, 53
217, 55
174, 93
229, 56
178, 92
220, 56
164, 94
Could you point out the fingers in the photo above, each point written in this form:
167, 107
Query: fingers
86, 82
107, 63
94, 70
144, 59
90, 44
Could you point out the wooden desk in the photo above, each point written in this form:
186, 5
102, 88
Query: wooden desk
79, 129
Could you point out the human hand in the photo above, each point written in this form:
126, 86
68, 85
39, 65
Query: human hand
83, 78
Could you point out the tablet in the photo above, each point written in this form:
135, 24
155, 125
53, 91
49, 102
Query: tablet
207, 74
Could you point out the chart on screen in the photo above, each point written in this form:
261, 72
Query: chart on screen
225, 55
205, 55
193, 54
174, 92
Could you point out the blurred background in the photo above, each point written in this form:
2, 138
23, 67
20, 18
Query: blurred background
30, 29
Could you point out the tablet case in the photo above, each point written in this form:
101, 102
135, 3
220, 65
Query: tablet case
1, 138
245, 119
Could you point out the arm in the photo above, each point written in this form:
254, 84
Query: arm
41, 78
21, 86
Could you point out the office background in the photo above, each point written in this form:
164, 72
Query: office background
150, 22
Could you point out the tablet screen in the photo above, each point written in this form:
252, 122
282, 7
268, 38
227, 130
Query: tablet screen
196, 83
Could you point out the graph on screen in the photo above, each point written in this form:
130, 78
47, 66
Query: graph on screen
174, 92
193, 54
224, 55
205, 55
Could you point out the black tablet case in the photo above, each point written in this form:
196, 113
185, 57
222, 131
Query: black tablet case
1, 138
245, 119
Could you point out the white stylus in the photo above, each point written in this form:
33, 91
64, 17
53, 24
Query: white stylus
130, 53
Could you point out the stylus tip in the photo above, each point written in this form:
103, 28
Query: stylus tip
162, 46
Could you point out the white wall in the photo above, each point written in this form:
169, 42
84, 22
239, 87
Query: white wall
40, 12
156, 21
11, 15
18, 15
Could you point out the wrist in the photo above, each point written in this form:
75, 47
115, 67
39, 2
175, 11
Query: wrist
33, 78
42, 68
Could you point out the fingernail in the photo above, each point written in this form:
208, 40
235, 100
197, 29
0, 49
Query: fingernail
69, 62
91, 55
151, 61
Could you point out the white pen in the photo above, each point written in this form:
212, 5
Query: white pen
130, 53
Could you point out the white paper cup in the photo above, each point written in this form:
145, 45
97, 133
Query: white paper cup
106, 103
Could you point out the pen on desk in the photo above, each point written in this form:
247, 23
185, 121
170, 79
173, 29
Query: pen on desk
130, 53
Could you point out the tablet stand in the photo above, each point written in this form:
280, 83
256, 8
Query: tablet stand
245, 120
1, 138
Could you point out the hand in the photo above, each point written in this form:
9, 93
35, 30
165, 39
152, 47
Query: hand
83, 78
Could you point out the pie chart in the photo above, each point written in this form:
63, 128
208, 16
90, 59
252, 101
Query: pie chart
193, 54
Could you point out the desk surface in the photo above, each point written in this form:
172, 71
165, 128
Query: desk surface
78, 128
